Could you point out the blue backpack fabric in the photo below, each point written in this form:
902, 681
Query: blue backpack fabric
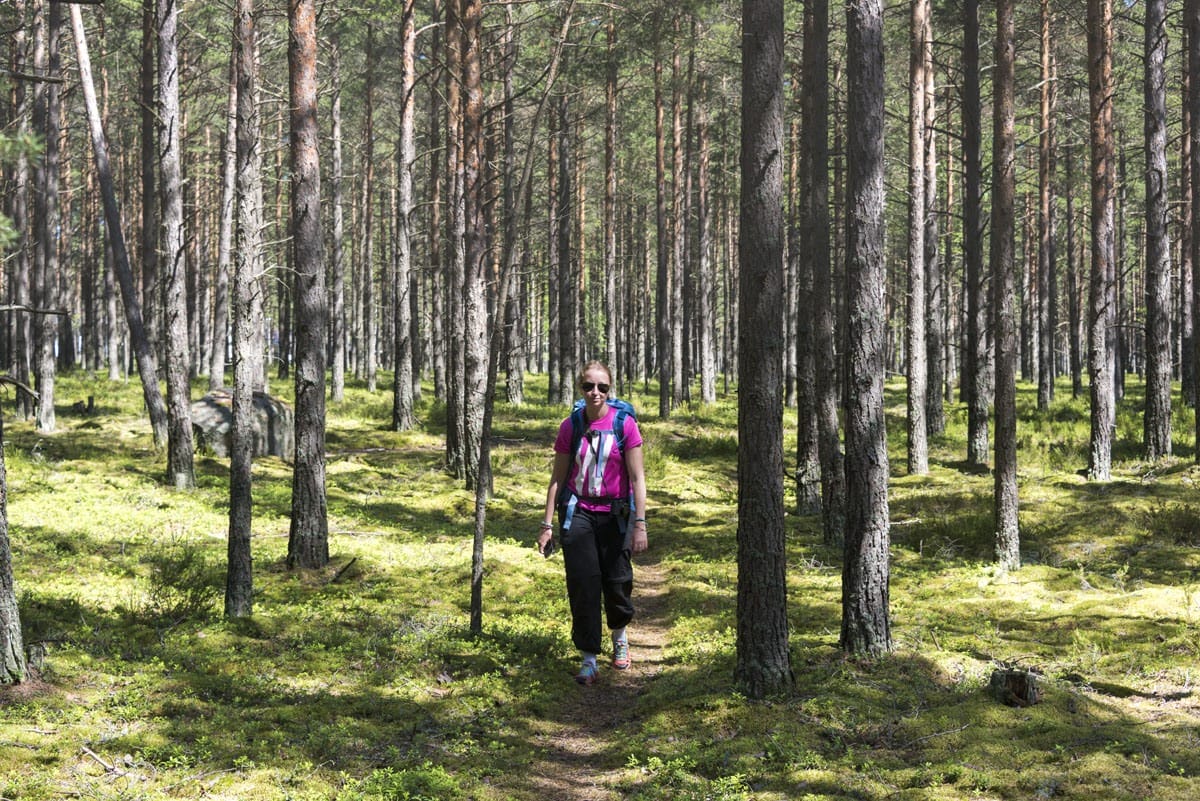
567, 498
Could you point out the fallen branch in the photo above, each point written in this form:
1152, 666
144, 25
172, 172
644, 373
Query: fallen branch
345, 567
107, 767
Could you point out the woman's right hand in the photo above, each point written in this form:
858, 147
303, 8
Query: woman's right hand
544, 538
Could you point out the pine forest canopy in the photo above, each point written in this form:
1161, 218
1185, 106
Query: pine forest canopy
675, 69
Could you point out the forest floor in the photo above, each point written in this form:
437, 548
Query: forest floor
576, 762
362, 681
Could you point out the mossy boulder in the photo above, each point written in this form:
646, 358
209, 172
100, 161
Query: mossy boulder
272, 425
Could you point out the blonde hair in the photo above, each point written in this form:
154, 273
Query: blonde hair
595, 365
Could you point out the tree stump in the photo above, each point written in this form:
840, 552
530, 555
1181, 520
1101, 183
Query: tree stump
1015, 687
272, 425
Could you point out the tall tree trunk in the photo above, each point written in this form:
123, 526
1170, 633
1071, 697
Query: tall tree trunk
1046, 250
1004, 185
180, 470
763, 660
800, 358
520, 197
147, 363
337, 266
437, 191
558, 394
917, 372
369, 344
866, 628
1157, 434
662, 290
48, 120
935, 274
816, 225
24, 43
247, 315
456, 448
12, 644
706, 280
1192, 27
149, 229
1187, 277
1074, 300
975, 364
678, 226
308, 539
514, 252
568, 277
610, 199
402, 383
1100, 356
216, 368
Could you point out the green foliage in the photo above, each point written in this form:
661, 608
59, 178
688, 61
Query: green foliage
676, 780
185, 581
426, 783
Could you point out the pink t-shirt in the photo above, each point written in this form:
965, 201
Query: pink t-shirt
598, 468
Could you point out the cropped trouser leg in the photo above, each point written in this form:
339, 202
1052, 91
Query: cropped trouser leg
599, 577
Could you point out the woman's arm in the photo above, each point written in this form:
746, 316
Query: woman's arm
558, 475
635, 468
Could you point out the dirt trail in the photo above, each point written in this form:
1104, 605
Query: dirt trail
582, 752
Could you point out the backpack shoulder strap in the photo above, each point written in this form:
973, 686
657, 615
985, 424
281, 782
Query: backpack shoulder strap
577, 426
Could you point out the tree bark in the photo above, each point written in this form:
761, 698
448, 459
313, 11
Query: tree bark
763, 659
474, 297
48, 121
402, 382
1100, 356
568, 278
1046, 250
611, 318
935, 275
1157, 429
247, 315
369, 343
1074, 300
662, 285
917, 372
975, 364
706, 279
816, 225
216, 368
149, 229
12, 644
866, 628
1004, 184
1187, 277
1192, 27
308, 538
337, 266
21, 361
456, 448
147, 363
180, 449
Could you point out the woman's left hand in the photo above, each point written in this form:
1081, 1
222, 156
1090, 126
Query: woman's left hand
640, 543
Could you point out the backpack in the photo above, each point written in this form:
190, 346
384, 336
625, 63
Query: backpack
567, 498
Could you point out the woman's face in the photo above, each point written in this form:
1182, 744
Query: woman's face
595, 386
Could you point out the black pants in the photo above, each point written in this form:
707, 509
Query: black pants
596, 555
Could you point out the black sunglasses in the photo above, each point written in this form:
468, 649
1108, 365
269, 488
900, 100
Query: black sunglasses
588, 386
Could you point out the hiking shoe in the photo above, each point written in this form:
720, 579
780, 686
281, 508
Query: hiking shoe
620, 654
587, 675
